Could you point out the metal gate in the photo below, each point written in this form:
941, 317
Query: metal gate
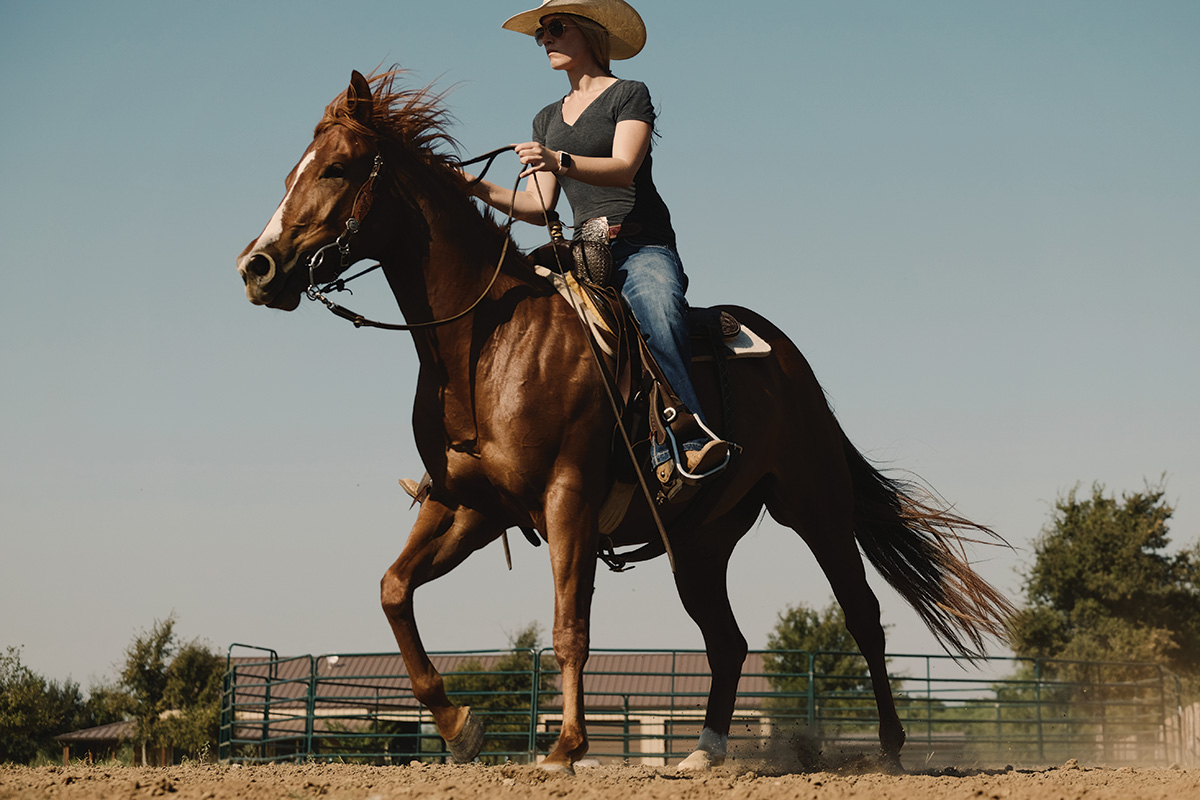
647, 707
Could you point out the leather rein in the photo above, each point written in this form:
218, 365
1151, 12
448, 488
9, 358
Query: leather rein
362, 205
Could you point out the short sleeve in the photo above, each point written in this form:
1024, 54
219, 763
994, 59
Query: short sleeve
635, 103
539, 127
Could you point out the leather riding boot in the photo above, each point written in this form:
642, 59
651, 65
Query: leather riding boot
707, 458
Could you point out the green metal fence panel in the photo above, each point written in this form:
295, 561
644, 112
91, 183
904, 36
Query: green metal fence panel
265, 708
360, 707
647, 707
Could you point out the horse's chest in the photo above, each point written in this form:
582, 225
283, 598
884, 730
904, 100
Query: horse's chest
503, 490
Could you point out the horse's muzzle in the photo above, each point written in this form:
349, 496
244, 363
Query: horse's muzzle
258, 273
264, 282
257, 267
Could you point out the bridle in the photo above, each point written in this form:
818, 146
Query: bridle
362, 205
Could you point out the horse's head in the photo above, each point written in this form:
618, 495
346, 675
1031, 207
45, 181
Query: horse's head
333, 182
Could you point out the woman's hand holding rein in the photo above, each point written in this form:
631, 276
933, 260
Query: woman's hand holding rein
537, 158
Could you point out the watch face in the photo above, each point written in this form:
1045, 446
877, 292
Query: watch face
566, 161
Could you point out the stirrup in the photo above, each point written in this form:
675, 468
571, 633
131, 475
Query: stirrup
680, 460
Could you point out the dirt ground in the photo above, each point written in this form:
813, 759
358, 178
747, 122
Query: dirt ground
429, 782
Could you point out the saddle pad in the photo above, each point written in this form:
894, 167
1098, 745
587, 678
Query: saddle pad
569, 288
747, 344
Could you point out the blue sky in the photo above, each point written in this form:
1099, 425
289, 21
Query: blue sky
978, 220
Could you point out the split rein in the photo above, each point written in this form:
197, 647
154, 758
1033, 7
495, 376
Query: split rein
362, 205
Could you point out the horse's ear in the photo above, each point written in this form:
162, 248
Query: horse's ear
358, 98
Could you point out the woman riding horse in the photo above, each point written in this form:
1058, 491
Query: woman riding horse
595, 144
510, 421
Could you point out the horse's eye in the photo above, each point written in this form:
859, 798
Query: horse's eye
334, 171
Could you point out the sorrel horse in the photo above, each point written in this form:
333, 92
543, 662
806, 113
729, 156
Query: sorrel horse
513, 425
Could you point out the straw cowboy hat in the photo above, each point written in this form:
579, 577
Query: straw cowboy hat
626, 31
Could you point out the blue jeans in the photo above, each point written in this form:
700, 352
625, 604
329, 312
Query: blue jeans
651, 278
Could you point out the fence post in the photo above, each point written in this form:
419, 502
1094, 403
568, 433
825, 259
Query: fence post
1164, 715
266, 725
625, 738
999, 734
1037, 694
928, 703
1100, 699
812, 692
1182, 719
310, 706
669, 723
225, 731
534, 704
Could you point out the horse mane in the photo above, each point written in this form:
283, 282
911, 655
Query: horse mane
415, 118
415, 121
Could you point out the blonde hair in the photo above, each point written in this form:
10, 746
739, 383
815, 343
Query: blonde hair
596, 37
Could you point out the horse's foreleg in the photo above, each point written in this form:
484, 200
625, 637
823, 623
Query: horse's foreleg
573, 540
440, 540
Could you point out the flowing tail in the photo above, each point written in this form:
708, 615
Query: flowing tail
917, 547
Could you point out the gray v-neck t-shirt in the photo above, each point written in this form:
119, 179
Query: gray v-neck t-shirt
639, 209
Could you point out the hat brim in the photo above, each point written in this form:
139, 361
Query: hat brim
626, 31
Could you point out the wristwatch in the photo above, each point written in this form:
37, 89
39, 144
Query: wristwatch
564, 162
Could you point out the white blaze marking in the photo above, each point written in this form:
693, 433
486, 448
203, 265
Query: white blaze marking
274, 228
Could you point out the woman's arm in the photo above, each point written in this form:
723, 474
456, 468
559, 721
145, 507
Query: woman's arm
631, 142
526, 206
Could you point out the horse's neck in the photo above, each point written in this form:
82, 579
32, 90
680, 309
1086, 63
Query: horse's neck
464, 255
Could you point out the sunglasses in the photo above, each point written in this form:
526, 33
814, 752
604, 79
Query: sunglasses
555, 27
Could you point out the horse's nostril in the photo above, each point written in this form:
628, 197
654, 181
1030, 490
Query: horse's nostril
259, 265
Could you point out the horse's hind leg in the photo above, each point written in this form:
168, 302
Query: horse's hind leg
441, 539
701, 576
703, 589
828, 529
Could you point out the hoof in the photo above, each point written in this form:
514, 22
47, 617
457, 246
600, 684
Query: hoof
468, 743
556, 768
700, 761
709, 752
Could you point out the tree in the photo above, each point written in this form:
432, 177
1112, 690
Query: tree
1103, 586
193, 689
175, 690
801, 633
1105, 590
144, 676
172, 691
33, 710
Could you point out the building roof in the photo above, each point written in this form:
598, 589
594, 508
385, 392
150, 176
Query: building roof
101, 734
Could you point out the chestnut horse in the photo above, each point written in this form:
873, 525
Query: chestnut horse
513, 424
